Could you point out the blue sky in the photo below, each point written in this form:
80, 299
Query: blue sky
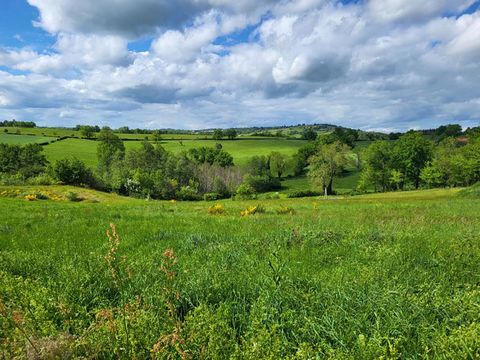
371, 64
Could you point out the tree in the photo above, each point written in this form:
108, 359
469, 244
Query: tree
258, 165
278, 163
156, 137
72, 172
328, 161
217, 134
231, 134
346, 136
300, 159
309, 134
25, 160
87, 131
110, 148
378, 161
411, 153
211, 155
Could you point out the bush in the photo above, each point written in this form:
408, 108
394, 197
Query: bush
42, 179
72, 172
252, 210
188, 193
303, 193
216, 209
211, 196
245, 192
73, 196
262, 183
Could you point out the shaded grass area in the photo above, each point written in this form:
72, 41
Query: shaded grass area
392, 275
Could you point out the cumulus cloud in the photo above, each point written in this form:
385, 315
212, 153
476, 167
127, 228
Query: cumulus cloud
131, 18
378, 64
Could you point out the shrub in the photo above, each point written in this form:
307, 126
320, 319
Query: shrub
188, 193
245, 192
31, 197
216, 209
303, 193
211, 196
252, 210
73, 196
42, 179
72, 172
262, 183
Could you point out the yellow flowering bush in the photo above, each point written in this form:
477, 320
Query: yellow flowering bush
216, 209
252, 210
31, 197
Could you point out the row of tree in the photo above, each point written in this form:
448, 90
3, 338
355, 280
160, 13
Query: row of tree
15, 123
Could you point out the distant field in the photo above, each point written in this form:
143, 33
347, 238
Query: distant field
241, 150
54, 132
23, 139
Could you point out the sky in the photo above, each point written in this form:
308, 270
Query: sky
384, 65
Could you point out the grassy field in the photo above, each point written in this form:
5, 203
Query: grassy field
64, 132
378, 276
23, 139
241, 150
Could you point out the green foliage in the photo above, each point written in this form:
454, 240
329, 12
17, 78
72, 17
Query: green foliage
411, 153
231, 134
328, 162
300, 159
25, 160
72, 171
262, 183
218, 134
309, 134
212, 156
278, 163
303, 193
245, 191
109, 150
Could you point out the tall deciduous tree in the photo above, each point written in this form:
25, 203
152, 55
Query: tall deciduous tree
328, 161
110, 148
411, 154
278, 163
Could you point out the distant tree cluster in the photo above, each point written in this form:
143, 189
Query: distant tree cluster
413, 161
26, 161
219, 134
15, 123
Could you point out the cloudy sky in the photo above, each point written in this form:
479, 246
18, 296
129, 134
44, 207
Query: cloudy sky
369, 64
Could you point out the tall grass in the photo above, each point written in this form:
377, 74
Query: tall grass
369, 277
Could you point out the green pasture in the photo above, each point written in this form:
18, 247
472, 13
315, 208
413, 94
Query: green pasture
241, 150
23, 139
379, 276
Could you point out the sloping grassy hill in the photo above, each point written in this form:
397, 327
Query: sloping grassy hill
241, 150
389, 275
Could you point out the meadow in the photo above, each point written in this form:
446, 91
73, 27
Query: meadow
24, 139
241, 150
391, 275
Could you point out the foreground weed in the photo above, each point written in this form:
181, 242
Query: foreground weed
174, 340
120, 274
252, 210
216, 209
285, 210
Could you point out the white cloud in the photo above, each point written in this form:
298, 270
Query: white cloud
379, 64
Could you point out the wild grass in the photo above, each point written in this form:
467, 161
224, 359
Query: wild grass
391, 275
